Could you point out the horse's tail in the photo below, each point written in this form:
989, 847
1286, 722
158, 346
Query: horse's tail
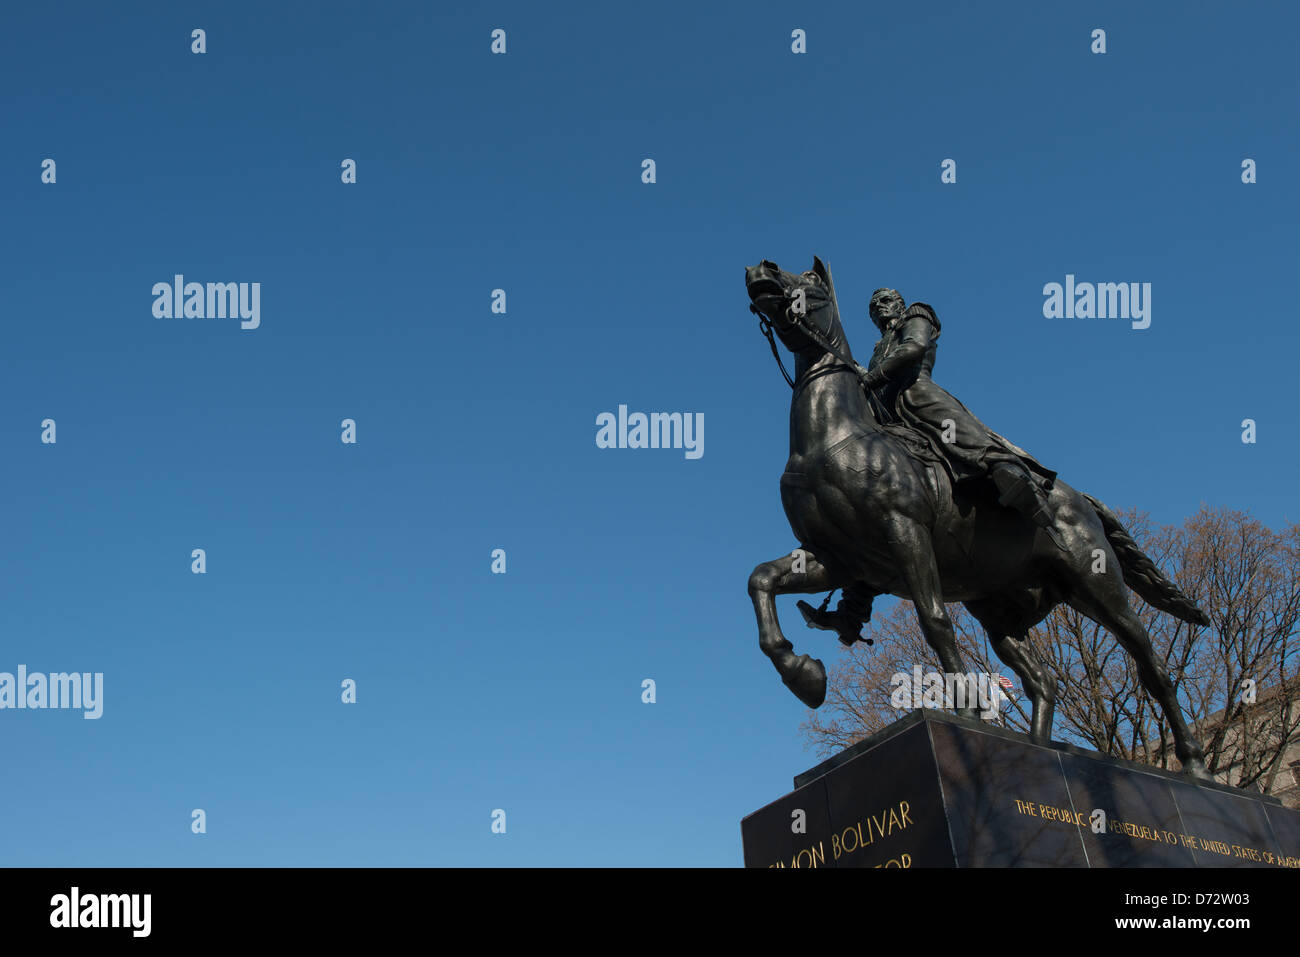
1141, 573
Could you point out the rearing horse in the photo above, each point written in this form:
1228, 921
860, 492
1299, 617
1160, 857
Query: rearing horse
865, 510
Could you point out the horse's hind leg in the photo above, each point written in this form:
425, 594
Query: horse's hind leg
799, 573
1018, 654
1103, 597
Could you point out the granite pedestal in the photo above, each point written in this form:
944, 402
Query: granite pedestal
935, 790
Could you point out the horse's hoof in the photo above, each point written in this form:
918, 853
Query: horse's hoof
1195, 768
808, 681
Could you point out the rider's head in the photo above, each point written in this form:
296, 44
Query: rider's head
886, 306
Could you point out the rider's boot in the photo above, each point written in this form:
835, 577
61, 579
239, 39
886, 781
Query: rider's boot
1017, 489
852, 612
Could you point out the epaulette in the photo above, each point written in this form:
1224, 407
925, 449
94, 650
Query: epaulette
922, 310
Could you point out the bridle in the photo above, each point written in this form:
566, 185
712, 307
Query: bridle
765, 327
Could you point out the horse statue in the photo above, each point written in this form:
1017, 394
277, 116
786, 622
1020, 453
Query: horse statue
869, 510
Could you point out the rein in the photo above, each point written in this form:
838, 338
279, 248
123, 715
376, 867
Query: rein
765, 327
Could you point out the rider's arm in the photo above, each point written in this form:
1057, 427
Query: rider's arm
913, 340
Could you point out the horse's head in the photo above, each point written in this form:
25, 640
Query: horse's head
795, 301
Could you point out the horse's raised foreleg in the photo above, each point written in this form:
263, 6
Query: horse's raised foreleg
799, 573
913, 552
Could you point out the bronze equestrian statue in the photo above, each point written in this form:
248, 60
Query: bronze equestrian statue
893, 487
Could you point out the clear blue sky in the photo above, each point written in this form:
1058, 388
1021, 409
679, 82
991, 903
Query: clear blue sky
477, 431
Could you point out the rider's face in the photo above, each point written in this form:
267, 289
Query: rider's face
885, 306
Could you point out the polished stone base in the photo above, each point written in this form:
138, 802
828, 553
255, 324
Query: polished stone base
935, 790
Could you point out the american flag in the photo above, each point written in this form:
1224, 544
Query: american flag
1005, 682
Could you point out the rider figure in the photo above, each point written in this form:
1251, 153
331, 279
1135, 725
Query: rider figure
899, 379
901, 391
